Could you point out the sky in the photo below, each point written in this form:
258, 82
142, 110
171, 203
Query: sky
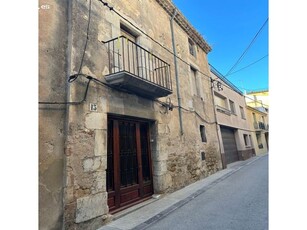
229, 27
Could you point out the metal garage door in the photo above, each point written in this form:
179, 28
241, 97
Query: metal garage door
230, 146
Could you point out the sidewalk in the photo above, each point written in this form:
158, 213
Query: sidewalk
142, 215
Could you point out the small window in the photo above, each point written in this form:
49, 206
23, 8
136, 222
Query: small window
203, 133
232, 107
128, 33
254, 116
203, 156
242, 112
194, 81
192, 47
246, 140
251, 141
220, 100
221, 104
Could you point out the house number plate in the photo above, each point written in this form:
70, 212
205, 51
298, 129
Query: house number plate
93, 107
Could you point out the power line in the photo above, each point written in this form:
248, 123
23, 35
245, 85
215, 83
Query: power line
245, 51
249, 65
252, 90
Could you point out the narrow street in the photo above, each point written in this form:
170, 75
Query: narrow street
238, 202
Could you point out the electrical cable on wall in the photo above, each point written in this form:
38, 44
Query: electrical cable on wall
75, 76
197, 114
73, 102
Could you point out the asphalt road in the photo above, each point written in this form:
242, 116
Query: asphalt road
240, 202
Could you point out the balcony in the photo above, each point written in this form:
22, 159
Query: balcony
260, 125
135, 69
223, 110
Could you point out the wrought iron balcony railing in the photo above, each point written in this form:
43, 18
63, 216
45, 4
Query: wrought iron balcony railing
261, 125
134, 68
223, 110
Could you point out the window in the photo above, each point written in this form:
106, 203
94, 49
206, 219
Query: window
232, 107
194, 82
125, 31
246, 140
254, 116
242, 112
203, 133
221, 104
220, 100
203, 156
192, 47
250, 139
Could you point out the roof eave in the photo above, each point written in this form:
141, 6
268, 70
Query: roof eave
169, 7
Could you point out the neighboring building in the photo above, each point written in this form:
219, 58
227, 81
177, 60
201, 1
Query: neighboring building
118, 121
234, 131
258, 99
259, 124
258, 114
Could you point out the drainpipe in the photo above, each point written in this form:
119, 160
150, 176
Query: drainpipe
176, 72
68, 91
217, 125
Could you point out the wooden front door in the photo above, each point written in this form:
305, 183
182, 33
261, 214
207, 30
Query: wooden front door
129, 174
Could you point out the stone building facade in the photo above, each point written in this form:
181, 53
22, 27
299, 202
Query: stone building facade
120, 118
233, 126
259, 124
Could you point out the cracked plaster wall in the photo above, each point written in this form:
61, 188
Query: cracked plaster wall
52, 88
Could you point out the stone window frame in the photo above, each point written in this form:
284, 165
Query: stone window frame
131, 33
203, 136
232, 107
192, 47
247, 140
219, 107
195, 81
242, 112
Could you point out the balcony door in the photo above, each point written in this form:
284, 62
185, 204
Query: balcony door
129, 51
129, 174
136, 60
